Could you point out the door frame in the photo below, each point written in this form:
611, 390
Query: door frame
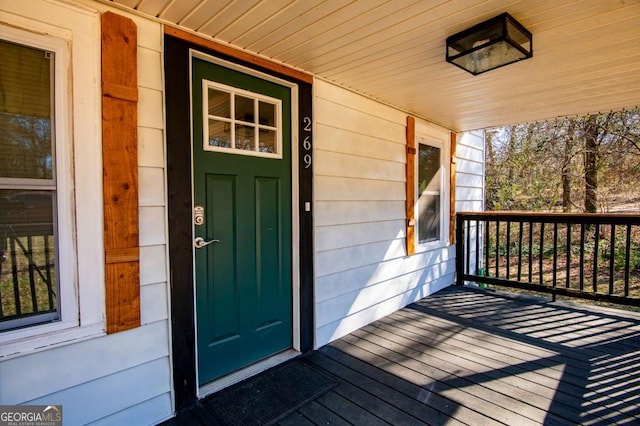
236, 376
178, 46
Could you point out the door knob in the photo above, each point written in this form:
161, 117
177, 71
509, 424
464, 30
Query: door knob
199, 242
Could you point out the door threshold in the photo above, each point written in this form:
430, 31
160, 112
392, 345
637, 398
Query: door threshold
245, 373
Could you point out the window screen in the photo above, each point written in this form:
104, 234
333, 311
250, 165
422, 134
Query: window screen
429, 190
28, 284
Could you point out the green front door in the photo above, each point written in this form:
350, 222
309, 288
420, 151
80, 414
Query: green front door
242, 198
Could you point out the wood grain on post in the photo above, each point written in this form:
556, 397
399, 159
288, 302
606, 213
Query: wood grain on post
120, 172
411, 182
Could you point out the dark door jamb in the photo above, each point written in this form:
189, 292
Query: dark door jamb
178, 151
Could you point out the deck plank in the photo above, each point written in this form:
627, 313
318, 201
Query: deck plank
500, 406
350, 411
320, 415
295, 419
419, 413
465, 356
499, 377
511, 370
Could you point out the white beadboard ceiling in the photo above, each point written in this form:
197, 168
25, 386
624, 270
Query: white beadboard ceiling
586, 52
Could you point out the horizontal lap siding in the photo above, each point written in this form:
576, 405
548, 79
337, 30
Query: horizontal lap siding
362, 271
470, 180
124, 377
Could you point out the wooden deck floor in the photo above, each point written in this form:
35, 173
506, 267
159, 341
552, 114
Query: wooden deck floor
466, 356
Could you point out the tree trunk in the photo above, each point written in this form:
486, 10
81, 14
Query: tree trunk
591, 165
566, 189
566, 167
490, 189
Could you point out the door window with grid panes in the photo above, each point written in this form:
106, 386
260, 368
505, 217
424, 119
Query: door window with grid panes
241, 122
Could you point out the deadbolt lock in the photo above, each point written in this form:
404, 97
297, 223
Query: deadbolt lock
198, 215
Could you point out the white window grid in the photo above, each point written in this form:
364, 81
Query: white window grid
232, 121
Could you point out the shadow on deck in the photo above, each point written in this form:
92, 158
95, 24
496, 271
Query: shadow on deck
467, 356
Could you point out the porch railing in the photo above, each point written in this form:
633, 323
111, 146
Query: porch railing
590, 256
27, 275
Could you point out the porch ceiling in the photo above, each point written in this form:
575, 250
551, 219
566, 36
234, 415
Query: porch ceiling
586, 52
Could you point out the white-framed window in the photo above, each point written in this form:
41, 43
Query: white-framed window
241, 122
32, 140
432, 187
49, 243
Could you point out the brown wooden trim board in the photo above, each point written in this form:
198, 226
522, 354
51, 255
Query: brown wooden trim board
238, 54
120, 172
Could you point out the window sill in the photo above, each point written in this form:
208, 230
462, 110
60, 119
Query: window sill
16, 344
434, 245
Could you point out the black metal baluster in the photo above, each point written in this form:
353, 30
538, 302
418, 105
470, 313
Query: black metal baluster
16, 282
627, 261
595, 258
48, 269
32, 278
530, 251
581, 266
508, 246
555, 258
612, 253
541, 251
497, 248
568, 277
467, 250
477, 245
520, 251
487, 224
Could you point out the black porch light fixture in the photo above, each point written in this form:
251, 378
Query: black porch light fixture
491, 44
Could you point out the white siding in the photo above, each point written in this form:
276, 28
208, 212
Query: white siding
470, 172
361, 268
470, 180
124, 377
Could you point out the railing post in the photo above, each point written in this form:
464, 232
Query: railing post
459, 249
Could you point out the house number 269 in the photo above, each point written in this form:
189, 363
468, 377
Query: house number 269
306, 144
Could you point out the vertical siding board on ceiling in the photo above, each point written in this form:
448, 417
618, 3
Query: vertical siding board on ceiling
178, 10
362, 271
125, 377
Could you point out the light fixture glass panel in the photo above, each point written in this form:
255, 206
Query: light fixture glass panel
490, 44
267, 142
480, 37
245, 137
244, 109
490, 57
514, 33
219, 103
219, 134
